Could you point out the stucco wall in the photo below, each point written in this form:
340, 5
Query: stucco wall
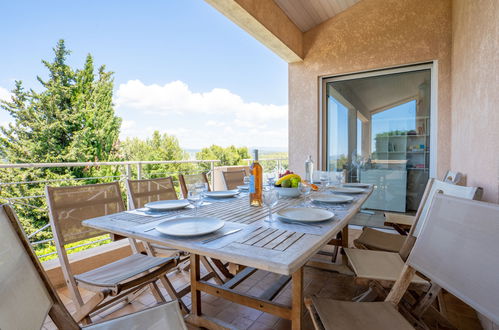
372, 34
475, 93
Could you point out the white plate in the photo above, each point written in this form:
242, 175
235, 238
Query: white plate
330, 198
167, 205
244, 187
222, 193
190, 226
305, 214
340, 190
356, 185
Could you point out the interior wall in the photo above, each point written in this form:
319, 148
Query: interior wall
370, 35
475, 93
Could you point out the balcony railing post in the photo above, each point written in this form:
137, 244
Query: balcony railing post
129, 177
139, 171
212, 170
278, 166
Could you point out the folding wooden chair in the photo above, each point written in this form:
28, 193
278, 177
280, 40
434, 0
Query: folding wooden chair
141, 192
121, 279
456, 249
234, 178
28, 296
385, 267
186, 180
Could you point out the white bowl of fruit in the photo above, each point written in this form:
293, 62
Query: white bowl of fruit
288, 184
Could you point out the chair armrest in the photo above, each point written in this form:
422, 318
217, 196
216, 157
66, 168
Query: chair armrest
167, 314
399, 219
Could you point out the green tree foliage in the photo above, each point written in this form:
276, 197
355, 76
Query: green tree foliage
159, 147
228, 156
71, 119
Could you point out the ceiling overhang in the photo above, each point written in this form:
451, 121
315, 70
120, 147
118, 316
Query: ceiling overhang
280, 24
265, 21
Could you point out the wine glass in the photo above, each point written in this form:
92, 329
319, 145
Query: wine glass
246, 180
271, 178
324, 179
196, 195
195, 198
270, 199
305, 189
339, 177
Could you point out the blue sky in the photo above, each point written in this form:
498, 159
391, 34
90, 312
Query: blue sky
180, 66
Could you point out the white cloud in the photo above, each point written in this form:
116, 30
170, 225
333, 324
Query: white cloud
4, 94
126, 124
214, 123
176, 98
200, 119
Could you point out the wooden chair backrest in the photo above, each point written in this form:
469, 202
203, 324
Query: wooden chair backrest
432, 188
234, 178
142, 192
27, 295
186, 180
69, 206
458, 249
453, 177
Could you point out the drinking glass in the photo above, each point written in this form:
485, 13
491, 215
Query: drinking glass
324, 179
305, 189
246, 180
196, 199
270, 199
339, 177
271, 178
196, 194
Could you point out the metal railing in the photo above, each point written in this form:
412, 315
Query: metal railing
271, 164
126, 170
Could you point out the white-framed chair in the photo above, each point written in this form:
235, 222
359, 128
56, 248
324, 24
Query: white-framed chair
456, 249
384, 266
28, 296
403, 222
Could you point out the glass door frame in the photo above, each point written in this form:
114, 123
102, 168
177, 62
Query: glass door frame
323, 81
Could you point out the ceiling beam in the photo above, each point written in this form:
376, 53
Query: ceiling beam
267, 22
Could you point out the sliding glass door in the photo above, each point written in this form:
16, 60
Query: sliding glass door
377, 130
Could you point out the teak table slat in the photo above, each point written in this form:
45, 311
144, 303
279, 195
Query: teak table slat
278, 247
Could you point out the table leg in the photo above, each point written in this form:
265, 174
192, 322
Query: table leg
344, 244
297, 299
195, 293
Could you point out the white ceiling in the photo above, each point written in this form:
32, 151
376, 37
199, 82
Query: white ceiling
308, 13
374, 93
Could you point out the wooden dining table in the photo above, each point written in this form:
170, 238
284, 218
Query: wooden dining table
278, 247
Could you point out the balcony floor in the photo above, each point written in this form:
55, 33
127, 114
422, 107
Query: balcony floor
321, 283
